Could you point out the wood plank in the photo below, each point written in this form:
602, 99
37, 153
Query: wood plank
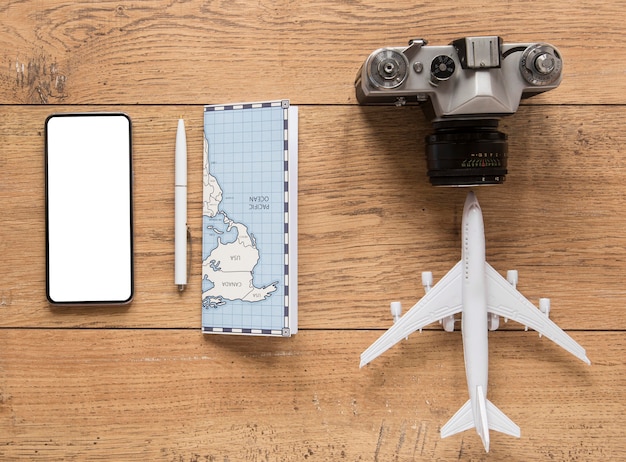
94, 394
369, 220
155, 52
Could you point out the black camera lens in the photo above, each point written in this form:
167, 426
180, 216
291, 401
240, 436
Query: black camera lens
466, 153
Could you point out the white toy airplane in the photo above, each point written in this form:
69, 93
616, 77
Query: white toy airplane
474, 288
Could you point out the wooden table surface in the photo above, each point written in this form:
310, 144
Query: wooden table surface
142, 383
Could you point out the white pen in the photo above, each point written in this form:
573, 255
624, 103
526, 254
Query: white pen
180, 208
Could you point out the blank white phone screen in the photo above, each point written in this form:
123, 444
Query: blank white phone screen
89, 234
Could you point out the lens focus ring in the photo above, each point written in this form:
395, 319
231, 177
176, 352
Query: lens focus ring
464, 153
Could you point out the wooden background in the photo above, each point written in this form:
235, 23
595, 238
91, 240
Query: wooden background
141, 382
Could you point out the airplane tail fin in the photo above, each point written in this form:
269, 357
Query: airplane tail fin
488, 417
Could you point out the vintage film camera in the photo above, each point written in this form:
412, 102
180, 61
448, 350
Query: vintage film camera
464, 89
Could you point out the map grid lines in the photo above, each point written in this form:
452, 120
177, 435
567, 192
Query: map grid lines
247, 163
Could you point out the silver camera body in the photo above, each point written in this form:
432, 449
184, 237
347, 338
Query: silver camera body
464, 88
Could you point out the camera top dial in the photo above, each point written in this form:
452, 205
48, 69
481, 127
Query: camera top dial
441, 68
540, 64
387, 68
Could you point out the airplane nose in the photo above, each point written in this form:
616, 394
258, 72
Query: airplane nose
471, 201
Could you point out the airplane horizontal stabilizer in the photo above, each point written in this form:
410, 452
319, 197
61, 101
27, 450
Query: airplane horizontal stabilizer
464, 420
499, 422
461, 421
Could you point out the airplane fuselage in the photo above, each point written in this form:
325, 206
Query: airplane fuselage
474, 300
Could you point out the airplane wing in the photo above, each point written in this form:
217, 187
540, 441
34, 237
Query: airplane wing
504, 300
443, 299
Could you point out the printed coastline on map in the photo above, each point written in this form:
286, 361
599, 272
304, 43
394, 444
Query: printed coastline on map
249, 236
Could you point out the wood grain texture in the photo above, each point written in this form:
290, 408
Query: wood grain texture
142, 383
176, 395
178, 52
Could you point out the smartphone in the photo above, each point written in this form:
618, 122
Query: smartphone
89, 209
